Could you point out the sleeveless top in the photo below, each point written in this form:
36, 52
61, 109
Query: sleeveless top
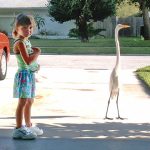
20, 61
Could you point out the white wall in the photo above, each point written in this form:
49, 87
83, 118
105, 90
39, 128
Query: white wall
5, 24
7, 17
61, 29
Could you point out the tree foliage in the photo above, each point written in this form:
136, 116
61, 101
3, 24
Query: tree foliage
125, 10
65, 10
138, 3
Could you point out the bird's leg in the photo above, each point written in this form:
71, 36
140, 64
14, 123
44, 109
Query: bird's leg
108, 107
118, 107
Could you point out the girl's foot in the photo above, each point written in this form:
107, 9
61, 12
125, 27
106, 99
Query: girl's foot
23, 133
36, 130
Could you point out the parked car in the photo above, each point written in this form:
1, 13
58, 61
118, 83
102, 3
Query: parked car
4, 55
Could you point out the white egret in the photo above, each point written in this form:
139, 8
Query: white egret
114, 85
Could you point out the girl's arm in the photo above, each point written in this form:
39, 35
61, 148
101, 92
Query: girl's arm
26, 57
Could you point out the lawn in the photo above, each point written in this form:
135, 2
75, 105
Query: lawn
144, 75
95, 46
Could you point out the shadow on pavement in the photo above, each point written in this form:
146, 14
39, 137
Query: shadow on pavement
77, 136
107, 130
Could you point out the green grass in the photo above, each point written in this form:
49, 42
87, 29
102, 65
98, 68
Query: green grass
144, 75
95, 50
95, 46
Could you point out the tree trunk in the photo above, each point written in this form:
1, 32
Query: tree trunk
146, 21
83, 29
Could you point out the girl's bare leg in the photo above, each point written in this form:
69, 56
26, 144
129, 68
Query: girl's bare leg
19, 112
27, 112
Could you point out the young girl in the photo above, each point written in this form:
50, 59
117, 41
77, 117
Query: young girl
24, 81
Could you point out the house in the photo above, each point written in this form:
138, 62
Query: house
10, 9
7, 15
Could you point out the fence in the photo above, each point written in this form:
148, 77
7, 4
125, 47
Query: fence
110, 23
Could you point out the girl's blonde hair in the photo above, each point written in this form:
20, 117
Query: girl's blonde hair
22, 20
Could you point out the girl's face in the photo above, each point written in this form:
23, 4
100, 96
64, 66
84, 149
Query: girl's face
25, 31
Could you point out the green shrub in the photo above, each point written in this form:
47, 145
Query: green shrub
92, 32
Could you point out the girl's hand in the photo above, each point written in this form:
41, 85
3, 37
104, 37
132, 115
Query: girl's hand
36, 50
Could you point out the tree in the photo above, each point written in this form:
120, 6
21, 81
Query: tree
82, 11
144, 6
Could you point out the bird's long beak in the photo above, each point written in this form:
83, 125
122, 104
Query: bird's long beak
125, 26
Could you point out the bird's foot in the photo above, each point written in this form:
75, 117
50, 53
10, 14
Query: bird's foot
120, 118
108, 118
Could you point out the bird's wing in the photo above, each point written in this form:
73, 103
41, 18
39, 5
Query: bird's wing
114, 82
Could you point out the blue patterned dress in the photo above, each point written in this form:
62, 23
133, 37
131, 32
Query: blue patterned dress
24, 80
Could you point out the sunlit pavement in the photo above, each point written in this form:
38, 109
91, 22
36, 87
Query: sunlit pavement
70, 106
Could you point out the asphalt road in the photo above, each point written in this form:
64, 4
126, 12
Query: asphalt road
72, 94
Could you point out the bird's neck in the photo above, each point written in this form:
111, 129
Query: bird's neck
117, 49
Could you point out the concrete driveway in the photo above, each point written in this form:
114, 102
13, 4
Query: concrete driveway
72, 94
